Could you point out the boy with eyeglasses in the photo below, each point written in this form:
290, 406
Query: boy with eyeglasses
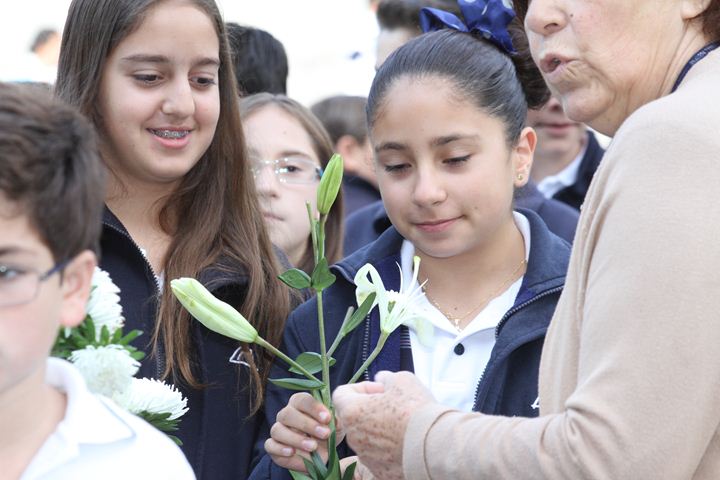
51, 200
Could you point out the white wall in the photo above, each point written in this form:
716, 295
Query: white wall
318, 36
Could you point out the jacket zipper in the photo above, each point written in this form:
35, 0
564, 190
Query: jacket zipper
502, 321
160, 364
366, 347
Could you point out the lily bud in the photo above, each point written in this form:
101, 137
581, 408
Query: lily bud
215, 314
330, 184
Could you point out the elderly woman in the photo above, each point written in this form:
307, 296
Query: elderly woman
630, 373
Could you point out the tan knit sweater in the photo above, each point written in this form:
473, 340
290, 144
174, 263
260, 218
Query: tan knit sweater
630, 373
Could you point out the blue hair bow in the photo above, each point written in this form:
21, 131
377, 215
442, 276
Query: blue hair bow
489, 18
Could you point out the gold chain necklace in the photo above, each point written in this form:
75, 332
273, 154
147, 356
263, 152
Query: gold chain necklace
457, 319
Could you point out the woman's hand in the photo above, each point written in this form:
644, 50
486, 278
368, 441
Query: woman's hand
301, 428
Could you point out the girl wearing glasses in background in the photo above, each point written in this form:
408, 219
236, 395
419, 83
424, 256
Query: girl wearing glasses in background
288, 148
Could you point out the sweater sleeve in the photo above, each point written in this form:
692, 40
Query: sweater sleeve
644, 400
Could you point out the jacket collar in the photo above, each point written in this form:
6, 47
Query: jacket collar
222, 273
588, 165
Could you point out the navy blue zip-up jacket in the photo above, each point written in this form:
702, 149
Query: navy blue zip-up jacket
217, 432
574, 195
509, 384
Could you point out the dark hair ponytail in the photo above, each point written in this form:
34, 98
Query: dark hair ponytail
502, 85
529, 76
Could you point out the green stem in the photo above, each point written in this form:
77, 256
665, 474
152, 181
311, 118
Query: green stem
312, 232
370, 359
335, 344
327, 399
261, 342
321, 242
340, 335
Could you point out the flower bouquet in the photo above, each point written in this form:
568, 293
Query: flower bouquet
395, 308
107, 361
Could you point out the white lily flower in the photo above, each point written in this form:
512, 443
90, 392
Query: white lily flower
396, 308
152, 396
104, 303
107, 370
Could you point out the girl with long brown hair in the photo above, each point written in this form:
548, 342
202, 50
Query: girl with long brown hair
154, 76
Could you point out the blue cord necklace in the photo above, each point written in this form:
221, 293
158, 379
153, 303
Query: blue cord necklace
702, 53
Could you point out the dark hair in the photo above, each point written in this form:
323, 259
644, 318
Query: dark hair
393, 14
221, 218
260, 62
42, 38
502, 85
343, 115
710, 17
711, 20
51, 169
324, 150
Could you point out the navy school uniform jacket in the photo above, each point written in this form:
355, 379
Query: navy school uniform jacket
509, 383
217, 432
574, 195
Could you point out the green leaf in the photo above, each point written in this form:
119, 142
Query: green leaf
333, 459
310, 467
302, 384
175, 439
358, 315
349, 471
330, 184
295, 278
104, 335
321, 276
310, 361
137, 355
130, 337
298, 476
319, 464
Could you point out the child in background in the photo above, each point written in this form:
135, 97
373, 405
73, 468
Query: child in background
51, 193
288, 149
155, 78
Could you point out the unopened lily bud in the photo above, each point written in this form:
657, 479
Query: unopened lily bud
215, 314
330, 184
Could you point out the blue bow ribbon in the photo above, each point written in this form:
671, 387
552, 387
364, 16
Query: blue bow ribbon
489, 18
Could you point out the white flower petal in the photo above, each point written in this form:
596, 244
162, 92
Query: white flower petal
152, 396
107, 370
104, 303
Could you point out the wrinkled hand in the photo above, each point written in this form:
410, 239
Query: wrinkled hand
300, 428
376, 415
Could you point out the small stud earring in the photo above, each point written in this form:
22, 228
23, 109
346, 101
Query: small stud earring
520, 177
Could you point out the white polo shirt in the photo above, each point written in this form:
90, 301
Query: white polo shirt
451, 368
98, 439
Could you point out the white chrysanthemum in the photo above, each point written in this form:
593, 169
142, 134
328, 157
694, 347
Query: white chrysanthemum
107, 370
104, 304
153, 396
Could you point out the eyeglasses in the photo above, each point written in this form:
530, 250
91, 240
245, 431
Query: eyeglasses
292, 170
18, 286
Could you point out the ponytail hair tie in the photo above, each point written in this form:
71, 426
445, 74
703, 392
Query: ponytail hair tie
489, 18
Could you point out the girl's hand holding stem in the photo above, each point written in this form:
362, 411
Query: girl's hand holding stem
300, 428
